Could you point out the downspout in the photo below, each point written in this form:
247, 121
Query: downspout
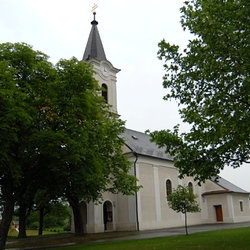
136, 196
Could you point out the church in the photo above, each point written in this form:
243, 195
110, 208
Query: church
220, 201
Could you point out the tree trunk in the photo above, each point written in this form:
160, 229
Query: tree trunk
78, 220
22, 221
41, 220
186, 223
8, 210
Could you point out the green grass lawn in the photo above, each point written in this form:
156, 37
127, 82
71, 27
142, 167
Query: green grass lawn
227, 239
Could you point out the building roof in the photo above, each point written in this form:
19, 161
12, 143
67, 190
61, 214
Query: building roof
94, 48
227, 186
140, 143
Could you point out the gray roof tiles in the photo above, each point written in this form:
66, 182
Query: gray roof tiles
94, 48
140, 143
228, 185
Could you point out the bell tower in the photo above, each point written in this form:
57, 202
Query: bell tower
105, 72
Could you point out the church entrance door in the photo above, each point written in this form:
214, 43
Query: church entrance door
218, 211
108, 216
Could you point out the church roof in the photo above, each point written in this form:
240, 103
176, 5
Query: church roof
227, 186
140, 143
94, 48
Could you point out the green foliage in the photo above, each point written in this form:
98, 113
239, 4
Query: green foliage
67, 225
210, 80
91, 160
24, 77
183, 200
56, 215
58, 137
23, 73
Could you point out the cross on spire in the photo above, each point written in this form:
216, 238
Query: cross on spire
94, 8
94, 48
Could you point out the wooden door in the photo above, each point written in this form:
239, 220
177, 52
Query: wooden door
219, 214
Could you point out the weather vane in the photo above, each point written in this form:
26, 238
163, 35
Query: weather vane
94, 8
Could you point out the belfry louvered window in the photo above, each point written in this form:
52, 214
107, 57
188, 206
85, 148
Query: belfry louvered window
105, 92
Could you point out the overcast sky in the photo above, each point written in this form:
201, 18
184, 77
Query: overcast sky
130, 31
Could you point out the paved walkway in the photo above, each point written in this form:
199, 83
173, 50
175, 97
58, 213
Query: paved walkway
161, 233
181, 230
177, 231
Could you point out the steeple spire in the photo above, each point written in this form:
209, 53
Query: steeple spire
94, 48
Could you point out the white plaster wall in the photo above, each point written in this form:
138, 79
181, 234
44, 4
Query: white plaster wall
240, 216
109, 80
155, 212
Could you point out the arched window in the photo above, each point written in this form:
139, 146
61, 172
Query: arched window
190, 187
105, 92
168, 187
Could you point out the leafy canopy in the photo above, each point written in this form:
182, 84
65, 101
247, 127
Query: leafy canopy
57, 132
210, 79
58, 137
25, 75
183, 200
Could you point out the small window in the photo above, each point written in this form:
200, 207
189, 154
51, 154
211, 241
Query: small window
241, 206
105, 92
190, 187
168, 187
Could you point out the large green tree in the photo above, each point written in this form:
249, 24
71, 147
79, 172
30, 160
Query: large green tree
57, 134
183, 200
24, 75
210, 79
91, 158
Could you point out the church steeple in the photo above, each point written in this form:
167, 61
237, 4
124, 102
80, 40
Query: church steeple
94, 48
105, 72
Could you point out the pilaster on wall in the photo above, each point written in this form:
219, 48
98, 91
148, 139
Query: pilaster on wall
138, 194
230, 205
157, 194
95, 218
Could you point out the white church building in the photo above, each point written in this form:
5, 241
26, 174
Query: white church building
220, 202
